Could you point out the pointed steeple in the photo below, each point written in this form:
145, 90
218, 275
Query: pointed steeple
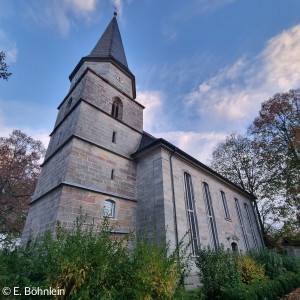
108, 60
110, 44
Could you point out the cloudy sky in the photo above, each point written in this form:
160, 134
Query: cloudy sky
202, 67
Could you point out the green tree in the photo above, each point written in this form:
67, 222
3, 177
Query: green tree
266, 163
3, 67
20, 157
277, 141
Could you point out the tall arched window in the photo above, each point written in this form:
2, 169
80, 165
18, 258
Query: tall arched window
224, 201
211, 215
117, 108
251, 226
109, 209
237, 205
191, 211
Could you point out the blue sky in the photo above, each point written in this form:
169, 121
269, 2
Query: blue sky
202, 67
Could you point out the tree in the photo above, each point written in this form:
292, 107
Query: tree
235, 159
266, 163
276, 133
20, 157
3, 67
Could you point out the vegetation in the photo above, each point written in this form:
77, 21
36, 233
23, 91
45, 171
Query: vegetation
91, 263
266, 163
217, 269
3, 67
255, 275
20, 157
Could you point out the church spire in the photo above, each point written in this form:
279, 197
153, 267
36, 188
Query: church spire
110, 44
108, 60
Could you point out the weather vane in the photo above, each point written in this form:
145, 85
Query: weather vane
116, 9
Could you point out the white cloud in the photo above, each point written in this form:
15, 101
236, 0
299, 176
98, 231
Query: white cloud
60, 14
197, 144
9, 47
234, 94
153, 102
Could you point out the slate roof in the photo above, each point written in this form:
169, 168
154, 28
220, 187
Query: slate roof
146, 140
110, 44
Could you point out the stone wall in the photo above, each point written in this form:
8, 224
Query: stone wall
101, 94
109, 72
91, 166
91, 203
42, 215
98, 127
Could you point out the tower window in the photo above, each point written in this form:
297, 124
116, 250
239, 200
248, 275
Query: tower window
190, 204
237, 205
224, 201
211, 216
114, 137
112, 175
116, 108
109, 209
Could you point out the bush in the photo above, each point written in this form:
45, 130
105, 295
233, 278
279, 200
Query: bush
263, 290
271, 260
291, 263
217, 270
249, 270
90, 263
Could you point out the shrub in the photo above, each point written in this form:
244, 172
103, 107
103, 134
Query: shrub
271, 260
217, 270
291, 263
249, 270
265, 289
93, 264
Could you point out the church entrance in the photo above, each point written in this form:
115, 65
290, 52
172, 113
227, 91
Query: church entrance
235, 247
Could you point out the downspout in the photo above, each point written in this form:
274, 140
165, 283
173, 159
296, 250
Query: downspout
173, 200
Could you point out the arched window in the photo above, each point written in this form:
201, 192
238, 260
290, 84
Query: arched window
109, 209
251, 226
211, 216
224, 201
117, 108
237, 205
191, 210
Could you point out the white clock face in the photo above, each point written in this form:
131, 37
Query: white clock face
120, 79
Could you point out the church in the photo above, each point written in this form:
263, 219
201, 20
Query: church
99, 159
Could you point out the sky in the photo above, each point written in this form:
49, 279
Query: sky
202, 67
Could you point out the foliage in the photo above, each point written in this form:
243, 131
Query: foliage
266, 163
263, 290
217, 270
291, 263
157, 271
249, 270
234, 158
271, 260
276, 133
89, 262
3, 67
20, 157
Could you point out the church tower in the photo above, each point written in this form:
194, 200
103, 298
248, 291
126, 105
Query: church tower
88, 162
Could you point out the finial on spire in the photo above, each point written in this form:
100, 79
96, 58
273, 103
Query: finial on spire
115, 12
